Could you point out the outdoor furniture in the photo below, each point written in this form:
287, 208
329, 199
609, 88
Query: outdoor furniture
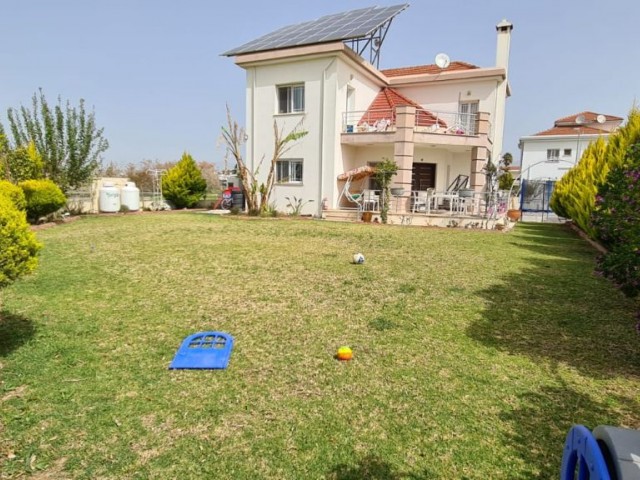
447, 199
370, 200
421, 200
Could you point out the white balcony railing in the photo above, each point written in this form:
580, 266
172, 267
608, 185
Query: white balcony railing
384, 120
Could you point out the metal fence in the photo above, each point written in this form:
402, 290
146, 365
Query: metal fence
535, 195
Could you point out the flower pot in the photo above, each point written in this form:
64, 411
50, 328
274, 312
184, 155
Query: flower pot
514, 215
397, 192
367, 216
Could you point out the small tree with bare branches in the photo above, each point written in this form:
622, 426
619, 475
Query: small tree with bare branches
234, 137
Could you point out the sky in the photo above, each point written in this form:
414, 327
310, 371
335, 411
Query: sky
153, 71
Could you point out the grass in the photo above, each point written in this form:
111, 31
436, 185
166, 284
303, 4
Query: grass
474, 351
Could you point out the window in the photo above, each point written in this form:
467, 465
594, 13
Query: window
553, 154
567, 152
289, 171
291, 99
467, 112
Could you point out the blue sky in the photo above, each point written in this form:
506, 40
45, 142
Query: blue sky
153, 72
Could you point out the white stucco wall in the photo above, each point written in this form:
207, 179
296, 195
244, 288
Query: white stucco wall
534, 164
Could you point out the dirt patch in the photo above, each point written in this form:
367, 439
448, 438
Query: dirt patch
44, 226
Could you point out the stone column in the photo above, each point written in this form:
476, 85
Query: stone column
483, 126
479, 156
403, 154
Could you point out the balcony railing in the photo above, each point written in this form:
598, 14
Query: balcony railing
384, 120
446, 122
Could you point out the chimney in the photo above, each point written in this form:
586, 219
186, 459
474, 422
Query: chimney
504, 40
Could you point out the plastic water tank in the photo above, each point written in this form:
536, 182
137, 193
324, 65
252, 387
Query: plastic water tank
109, 200
130, 196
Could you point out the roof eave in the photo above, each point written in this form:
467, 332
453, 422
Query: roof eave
471, 74
306, 52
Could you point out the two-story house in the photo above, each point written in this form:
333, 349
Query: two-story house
547, 155
437, 121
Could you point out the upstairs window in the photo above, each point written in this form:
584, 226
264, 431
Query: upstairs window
291, 98
553, 154
289, 171
567, 152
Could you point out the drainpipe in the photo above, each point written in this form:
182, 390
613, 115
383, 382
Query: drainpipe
321, 147
253, 116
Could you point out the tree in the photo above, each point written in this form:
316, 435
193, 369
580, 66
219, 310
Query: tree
183, 185
67, 139
385, 171
235, 137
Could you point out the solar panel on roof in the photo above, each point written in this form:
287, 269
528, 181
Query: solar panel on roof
330, 28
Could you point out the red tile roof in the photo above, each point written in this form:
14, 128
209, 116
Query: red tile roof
589, 117
573, 130
383, 107
427, 69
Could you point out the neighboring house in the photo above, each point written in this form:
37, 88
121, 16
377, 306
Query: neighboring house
549, 154
437, 123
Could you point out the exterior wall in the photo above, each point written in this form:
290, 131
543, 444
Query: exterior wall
448, 164
534, 155
318, 76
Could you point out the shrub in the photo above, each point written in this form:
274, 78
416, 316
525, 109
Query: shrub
13, 193
183, 185
574, 195
43, 198
616, 222
18, 245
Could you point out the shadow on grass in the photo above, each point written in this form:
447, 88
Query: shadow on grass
556, 309
373, 468
15, 330
540, 423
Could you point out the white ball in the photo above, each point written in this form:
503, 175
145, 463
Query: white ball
358, 258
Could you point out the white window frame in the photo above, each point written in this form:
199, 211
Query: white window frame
467, 113
286, 172
553, 154
294, 100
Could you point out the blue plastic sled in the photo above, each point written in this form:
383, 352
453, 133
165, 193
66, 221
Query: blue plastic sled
204, 350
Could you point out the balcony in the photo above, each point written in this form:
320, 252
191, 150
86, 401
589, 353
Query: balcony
380, 121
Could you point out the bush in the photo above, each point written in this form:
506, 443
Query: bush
616, 222
43, 198
18, 245
183, 185
574, 195
13, 193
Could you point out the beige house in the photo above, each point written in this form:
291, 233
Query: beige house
441, 123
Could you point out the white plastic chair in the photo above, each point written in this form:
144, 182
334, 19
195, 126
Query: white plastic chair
421, 200
370, 200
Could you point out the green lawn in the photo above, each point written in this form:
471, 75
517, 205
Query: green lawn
475, 351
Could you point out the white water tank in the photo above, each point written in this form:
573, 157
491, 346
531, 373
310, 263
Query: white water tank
130, 197
109, 200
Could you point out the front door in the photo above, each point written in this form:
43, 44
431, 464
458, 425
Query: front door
423, 176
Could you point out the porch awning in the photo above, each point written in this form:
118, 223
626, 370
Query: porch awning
357, 173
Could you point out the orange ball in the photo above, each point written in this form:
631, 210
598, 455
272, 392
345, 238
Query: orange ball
344, 353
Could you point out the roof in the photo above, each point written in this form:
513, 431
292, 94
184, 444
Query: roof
383, 107
573, 130
589, 117
351, 25
427, 69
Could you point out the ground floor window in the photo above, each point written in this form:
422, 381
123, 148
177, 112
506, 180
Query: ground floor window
289, 171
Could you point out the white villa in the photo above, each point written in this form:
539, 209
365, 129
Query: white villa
439, 122
548, 155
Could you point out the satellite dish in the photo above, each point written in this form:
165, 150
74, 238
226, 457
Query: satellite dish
580, 119
442, 60
601, 118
